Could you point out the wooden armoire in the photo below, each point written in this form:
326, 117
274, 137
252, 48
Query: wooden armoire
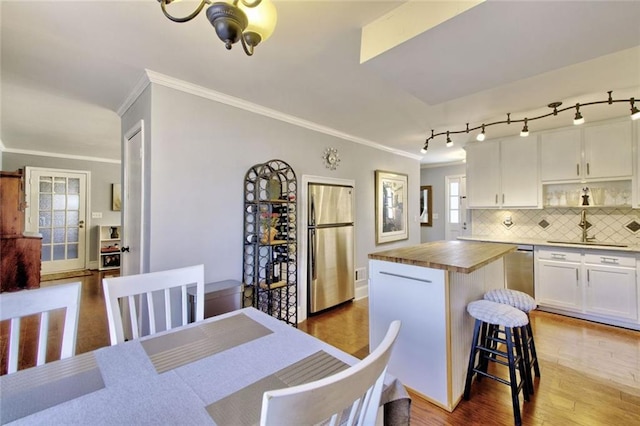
19, 254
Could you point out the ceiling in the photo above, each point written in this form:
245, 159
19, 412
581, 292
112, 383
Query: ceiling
67, 67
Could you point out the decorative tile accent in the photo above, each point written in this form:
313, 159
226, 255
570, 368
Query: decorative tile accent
619, 225
588, 225
633, 226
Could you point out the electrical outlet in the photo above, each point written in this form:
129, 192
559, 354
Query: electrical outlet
361, 274
96, 215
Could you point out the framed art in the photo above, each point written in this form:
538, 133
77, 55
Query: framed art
391, 207
116, 197
425, 206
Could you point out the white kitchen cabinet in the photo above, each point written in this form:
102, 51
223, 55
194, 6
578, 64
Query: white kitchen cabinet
607, 149
611, 292
637, 147
483, 174
591, 284
558, 284
503, 173
560, 155
597, 151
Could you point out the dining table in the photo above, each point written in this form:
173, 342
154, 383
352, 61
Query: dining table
213, 371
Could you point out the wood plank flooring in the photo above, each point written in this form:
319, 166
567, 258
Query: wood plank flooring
590, 372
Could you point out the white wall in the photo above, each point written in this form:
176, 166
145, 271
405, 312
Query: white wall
434, 176
200, 151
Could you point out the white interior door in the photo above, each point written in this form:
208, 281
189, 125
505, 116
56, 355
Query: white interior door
457, 218
57, 210
133, 203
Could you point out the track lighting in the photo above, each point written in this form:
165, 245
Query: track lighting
449, 143
525, 130
480, 136
579, 119
635, 112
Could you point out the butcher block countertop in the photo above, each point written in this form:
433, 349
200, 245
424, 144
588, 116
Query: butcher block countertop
454, 256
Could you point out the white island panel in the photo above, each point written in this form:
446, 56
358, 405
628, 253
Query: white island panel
432, 350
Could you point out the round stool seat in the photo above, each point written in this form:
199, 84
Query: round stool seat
497, 313
514, 298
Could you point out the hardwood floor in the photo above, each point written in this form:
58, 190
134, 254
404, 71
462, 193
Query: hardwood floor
590, 372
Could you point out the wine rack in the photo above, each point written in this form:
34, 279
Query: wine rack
270, 267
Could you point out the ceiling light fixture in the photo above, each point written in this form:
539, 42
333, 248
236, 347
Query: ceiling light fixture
579, 119
635, 112
480, 136
449, 143
635, 115
525, 130
249, 22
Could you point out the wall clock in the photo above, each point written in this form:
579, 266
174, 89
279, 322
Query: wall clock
331, 158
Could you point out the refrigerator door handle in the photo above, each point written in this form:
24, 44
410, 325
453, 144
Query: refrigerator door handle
312, 252
312, 212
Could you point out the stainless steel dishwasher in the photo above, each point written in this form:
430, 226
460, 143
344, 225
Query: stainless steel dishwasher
519, 269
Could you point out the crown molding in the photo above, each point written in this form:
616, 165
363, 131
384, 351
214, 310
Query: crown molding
193, 89
435, 165
57, 155
142, 84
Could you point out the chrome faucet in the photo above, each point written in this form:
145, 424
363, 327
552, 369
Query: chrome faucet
584, 225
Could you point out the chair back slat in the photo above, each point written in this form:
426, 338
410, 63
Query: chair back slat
357, 389
43, 337
41, 301
14, 345
141, 287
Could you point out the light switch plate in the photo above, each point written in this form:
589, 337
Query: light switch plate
96, 215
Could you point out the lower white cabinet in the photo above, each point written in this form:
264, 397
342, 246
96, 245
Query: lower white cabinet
558, 284
589, 284
611, 292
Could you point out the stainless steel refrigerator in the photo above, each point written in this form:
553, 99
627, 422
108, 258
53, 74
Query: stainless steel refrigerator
330, 272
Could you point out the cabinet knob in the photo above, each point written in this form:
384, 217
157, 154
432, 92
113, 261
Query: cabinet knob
123, 249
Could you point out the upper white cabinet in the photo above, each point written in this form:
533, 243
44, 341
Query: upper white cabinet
503, 173
560, 155
483, 174
599, 151
637, 179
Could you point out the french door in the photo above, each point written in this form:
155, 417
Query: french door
457, 224
57, 210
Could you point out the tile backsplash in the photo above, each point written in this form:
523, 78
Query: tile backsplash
617, 225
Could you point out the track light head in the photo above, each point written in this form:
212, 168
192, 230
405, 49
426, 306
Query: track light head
578, 119
449, 144
525, 129
635, 112
481, 135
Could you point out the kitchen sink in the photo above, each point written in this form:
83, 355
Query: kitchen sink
588, 243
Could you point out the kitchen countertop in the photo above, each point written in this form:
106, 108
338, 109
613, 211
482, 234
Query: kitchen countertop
454, 256
539, 242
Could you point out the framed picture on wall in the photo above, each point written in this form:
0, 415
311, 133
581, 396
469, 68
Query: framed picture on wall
116, 197
391, 207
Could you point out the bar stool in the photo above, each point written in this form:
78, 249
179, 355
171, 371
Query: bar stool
526, 304
489, 316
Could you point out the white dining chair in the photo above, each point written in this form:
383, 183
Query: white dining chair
358, 388
41, 301
136, 292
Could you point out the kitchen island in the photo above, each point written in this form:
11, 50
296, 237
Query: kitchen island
428, 287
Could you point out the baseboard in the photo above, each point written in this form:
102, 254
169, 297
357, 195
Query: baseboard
362, 290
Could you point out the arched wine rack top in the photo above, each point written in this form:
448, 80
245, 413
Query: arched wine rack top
258, 177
